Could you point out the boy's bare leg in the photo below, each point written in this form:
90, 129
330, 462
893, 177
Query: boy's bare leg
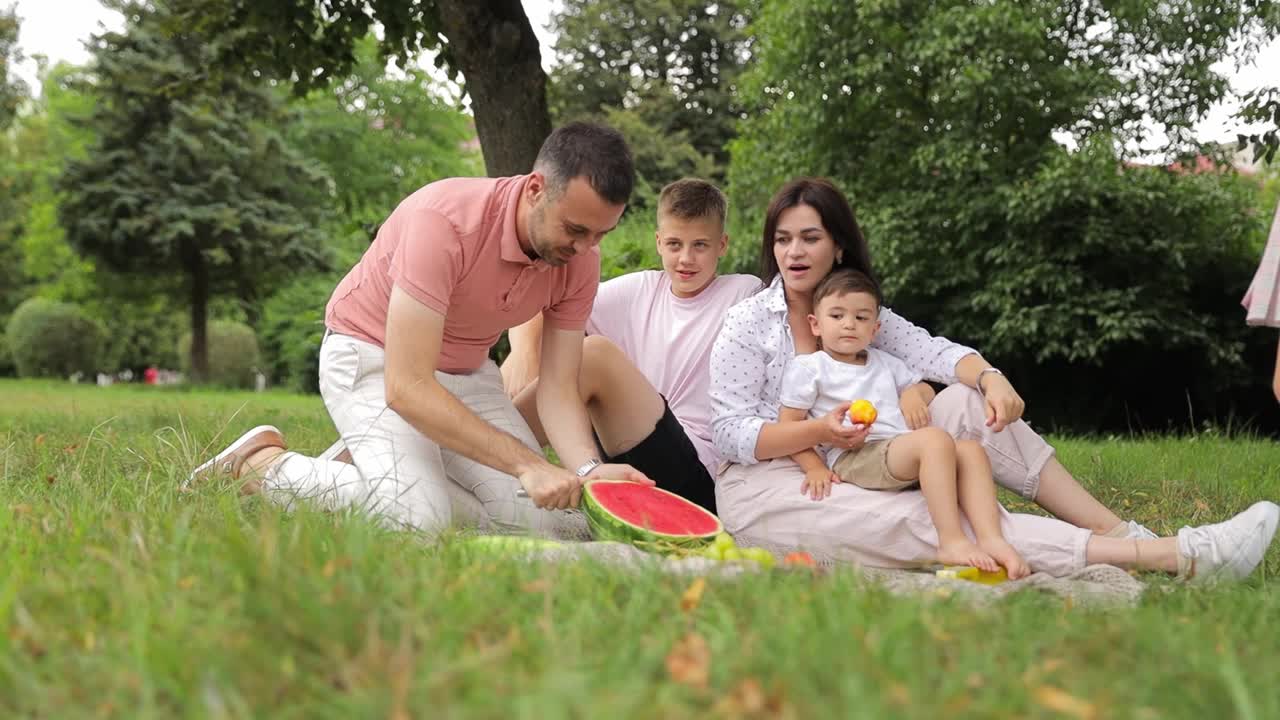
624, 407
930, 455
978, 501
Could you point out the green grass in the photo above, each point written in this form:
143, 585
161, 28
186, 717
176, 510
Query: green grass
121, 597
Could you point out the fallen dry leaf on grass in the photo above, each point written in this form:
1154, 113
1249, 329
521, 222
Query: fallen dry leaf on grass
746, 699
692, 596
1064, 702
689, 662
536, 586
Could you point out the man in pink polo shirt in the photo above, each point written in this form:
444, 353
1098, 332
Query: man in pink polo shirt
404, 368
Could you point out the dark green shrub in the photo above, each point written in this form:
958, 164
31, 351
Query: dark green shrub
292, 327
53, 339
233, 354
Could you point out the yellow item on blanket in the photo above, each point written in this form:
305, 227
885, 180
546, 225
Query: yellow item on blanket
973, 574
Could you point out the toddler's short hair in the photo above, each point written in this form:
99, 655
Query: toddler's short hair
845, 281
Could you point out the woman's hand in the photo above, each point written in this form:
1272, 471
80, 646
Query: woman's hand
837, 434
817, 483
1004, 404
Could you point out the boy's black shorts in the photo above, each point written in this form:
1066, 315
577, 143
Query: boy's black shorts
669, 458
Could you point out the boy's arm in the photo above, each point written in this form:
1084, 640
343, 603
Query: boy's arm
808, 459
914, 403
524, 362
922, 390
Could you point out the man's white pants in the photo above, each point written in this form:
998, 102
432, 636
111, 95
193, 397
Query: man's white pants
398, 473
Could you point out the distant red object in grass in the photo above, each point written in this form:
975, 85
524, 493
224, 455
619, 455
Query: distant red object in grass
799, 558
151, 375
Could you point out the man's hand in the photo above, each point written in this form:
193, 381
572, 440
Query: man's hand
551, 487
915, 408
1004, 405
817, 483
615, 471
837, 434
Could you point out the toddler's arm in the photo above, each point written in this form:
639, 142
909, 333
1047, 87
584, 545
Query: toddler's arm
915, 404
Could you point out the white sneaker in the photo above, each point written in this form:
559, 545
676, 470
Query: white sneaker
1139, 532
1227, 550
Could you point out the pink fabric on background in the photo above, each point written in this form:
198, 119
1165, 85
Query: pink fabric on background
639, 313
452, 246
1262, 301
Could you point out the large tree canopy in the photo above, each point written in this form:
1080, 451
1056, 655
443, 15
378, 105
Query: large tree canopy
490, 43
676, 62
880, 93
944, 121
12, 89
188, 175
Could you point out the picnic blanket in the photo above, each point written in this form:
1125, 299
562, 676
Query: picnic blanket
1092, 586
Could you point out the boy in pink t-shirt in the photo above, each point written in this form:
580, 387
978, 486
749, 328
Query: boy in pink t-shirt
645, 370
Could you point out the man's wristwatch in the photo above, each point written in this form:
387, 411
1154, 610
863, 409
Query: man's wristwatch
586, 467
982, 372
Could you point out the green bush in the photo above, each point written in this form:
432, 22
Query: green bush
53, 339
141, 333
6, 359
233, 354
292, 328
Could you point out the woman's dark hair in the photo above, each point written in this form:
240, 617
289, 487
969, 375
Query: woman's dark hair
837, 217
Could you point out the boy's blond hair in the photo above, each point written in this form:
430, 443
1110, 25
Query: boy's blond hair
693, 199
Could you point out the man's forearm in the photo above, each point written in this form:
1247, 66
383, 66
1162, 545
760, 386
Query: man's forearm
439, 415
565, 420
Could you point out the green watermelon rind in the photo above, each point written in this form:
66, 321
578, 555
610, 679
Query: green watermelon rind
604, 525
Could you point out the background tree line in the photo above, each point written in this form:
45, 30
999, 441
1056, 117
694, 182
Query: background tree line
221, 163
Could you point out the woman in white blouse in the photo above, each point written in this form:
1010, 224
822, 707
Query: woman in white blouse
809, 229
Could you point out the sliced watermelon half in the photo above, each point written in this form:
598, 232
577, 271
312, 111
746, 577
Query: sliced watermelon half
629, 512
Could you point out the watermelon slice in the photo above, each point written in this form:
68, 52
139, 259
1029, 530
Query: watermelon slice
629, 512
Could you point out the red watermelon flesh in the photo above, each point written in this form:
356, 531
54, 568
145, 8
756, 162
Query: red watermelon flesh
614, 505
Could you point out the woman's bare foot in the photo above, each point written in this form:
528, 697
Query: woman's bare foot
1004, 554
964, 552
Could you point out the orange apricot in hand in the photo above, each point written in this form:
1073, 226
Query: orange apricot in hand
862, 412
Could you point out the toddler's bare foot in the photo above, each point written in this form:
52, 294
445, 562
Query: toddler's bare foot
1003, 552
965, 552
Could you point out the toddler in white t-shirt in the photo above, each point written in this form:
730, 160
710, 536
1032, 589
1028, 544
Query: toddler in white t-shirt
955, 476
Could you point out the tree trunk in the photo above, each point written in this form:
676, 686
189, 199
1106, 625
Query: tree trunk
198, 273
498, 55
